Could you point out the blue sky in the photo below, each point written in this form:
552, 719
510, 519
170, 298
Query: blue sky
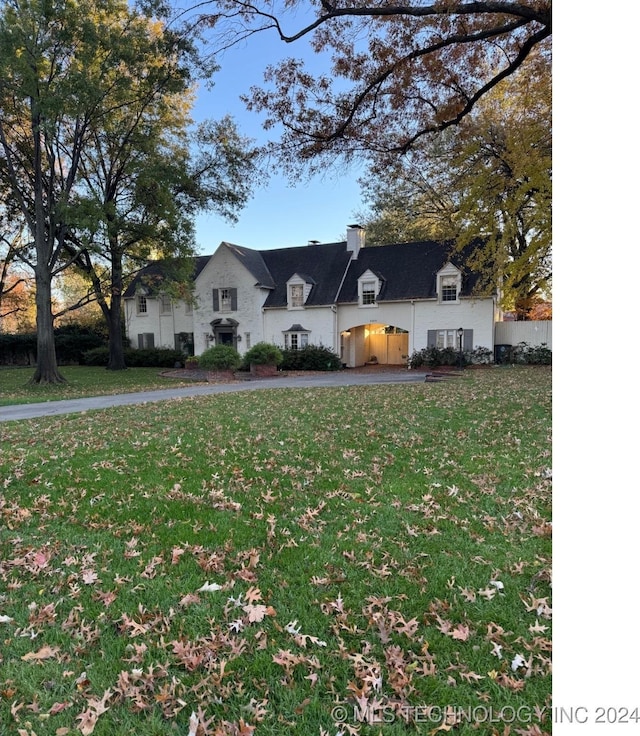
279, 215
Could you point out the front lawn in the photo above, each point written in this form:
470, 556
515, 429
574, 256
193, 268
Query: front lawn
81, 381
366, 559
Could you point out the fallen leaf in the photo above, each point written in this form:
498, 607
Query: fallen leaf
46, 652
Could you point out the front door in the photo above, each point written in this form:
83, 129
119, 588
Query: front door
225, 338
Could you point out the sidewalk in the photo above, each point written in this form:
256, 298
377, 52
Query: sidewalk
338, 378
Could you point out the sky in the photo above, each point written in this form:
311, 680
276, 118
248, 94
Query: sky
279, 214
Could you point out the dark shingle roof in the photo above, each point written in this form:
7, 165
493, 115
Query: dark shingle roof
407, 270
155, 273
253, 261
323, 266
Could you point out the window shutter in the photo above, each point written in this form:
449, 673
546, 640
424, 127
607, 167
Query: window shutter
140, 341
216, 301
432, 336
234, 299
467, 340
150, 340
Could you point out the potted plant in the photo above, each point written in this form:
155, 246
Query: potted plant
191, 363
263, 359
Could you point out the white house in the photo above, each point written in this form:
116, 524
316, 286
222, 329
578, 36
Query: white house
379, 302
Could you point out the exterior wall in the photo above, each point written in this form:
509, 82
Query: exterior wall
417, 317
533, 333
319, 322
163, 326
224, 271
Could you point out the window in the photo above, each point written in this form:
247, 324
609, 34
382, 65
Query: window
188, 308
296, 295
247, 340
446, 339
145, 340
369, 292
225, 300
141, 304
165, 304
449, 284
449, 292
296, 340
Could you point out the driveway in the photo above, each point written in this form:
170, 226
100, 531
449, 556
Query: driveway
338, 378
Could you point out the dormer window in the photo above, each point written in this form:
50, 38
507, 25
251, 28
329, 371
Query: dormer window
298, 289
369, 292
368, 289
449, 284
449, 291
296, 295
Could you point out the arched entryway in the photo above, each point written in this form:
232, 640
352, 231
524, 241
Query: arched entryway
374, 343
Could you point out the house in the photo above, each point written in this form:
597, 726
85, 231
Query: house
377, 302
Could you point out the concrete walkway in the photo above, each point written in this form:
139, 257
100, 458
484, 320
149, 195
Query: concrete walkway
338, 378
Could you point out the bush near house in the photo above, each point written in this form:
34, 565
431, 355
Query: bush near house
434, 357
263, 353
310, 358
220, 358
526, 354
522, 353
72, 342
147, 358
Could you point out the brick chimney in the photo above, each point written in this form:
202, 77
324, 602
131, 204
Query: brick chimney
355, 239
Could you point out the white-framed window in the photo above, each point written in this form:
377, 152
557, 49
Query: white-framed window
247, 340
449, 284
296, 295
369, 285
188, 308
449, 289
165, 304
369, 292
296, 340
447, 339
225, 300
141, 304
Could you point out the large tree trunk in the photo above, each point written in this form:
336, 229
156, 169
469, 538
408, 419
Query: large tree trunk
46, 362
114, 319
116, 347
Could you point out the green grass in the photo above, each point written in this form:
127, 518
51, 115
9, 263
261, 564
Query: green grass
355, 533
81, 381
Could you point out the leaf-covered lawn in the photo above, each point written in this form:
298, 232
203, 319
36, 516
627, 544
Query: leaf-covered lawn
81, 381
358, 560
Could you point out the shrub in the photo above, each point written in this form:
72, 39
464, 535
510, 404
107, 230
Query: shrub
480, 356
310, 358
147, 358
263, 353
434, 357
220, 358
531, 355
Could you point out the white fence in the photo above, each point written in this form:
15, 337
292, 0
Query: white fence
533, 333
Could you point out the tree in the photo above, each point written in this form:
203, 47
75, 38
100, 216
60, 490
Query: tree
398, 72
70, 74
145, 174
490, 178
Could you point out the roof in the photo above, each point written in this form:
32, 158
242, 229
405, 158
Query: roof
153, 275
406, 270
253, 261
322, 266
